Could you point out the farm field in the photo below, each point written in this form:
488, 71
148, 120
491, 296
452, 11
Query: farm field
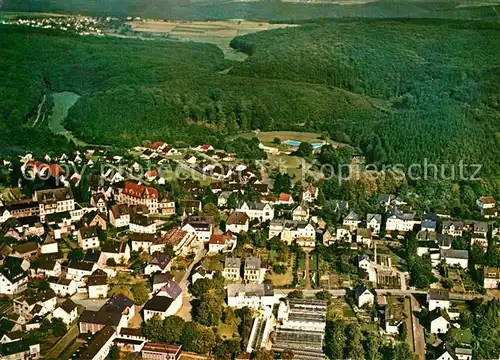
219, 33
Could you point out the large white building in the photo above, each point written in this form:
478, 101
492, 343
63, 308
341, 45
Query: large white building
255, 296
199, 226
255, 210
289, 230
136, 194
399, 220
54, 201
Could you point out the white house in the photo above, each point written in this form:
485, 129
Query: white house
67, 312
373, 222
159, 264
300, 213
238, 222
200, 226
453, 228
119, 215
454, 257
222, 242
351, 221
79, 269
62, 286
260, 211
88, 237
13, 277
440, 321
166, 302
141, 242
486, 202
54, 201
438, 299
119, 251
285, 199
142, 224
97, 285
255, 296
100, 344
232, 269
177, 238
364, 296
49, 245
49, 268
491, 277
310, 193
289, 230
399, 220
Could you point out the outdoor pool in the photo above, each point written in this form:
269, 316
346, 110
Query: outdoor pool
296, 143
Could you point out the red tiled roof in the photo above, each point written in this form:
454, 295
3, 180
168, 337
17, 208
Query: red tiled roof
285, 197
54, 169
173, 237
140, 191
220, 239
152, 173
157, 145
161, 348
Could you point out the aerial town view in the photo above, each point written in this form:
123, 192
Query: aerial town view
250, 179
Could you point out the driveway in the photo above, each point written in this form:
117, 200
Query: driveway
88, 304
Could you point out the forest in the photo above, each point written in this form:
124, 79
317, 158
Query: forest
399, 90
263, 9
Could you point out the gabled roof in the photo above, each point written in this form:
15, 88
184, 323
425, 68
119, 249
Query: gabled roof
98, 341
439, 312
81, 265
237, 218
139, 191
438, 294
162, 278
171, 290
376, 217
68, 306
233, 263
88, 232
173, 237
360, 290
160, 259
100, 317
92, 255
454, 254
352, 216
158, 303
114, 247
252, 263
117, 303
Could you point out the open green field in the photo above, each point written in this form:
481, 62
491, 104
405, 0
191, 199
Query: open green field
63, 101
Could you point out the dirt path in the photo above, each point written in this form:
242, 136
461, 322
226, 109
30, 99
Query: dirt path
417, 331
40, 110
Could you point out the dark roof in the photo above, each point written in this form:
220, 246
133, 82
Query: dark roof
162, 278
97, 280
15, 347
237, 218
97, 343
131, 331
118, 303
141, 220
81, 265
172, 289
161, 348
360, 290
143, 237
160, 259
27, 247
114, 247
88, 232
13, 272
437, 313
68, 306
158, 303
92, 255
437, 294
100, 317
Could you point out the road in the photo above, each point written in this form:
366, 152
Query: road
63, 343
185, 311
83, 300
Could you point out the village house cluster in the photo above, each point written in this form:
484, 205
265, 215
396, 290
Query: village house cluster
129, 216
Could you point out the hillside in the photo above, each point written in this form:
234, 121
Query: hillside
261, 10
402, 91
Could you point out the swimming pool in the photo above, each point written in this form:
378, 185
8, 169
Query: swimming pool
296, 143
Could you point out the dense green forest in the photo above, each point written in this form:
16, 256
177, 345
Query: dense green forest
264, 9
400, 90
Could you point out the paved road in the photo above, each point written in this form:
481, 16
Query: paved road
83, 300
63, 343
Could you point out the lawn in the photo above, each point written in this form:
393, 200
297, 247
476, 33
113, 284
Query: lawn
214, 263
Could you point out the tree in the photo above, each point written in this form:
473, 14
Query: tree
264, 354
226, 350
295, 294
76, 254
141, 293
209, 310
210, 210
335, 339
153, 329
172, 329
372, 346
222, 226
58, 327
323, 295
114, 353
189, 336
354, 348
111, 262
277, 141
169, 251
205, 340
305, 149
245, 326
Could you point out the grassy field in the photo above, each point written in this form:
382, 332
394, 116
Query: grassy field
219, 33
63, 101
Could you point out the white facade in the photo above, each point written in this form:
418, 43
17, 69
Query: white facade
140, 229
51, 248
262, 212
66, 318
64, 288
253, 296
10, 288
366, 298
172, 310
440, 325
98, 291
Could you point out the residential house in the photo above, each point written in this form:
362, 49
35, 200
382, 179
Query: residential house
160, 280
201, 273
288, 231
94, 218
166, 206
119, 251
177, 238
77, 270
343, 234
438, 299
62, 286
285, 199
232, 269
238, 222
130, 339
394, 316
222, 198
159, 264
13, 277
142, 242
454, 257
54, 201
97, 285
479, 231
95, 256
373, 222
67, 312
491, 277
99, 346
252, 271
487, 206
166, 302
364, 236
37, 303
20, 350
160, 351
49, 268
300, 213
328, 237
453, 228
260, 211
49, 245
429, 223
439, 321
136, 194
116, 312
399, 220
255, 296
26, 250
222, 242
88, 237
364, 296
142, 224
463, 353
351, 221
99, 201
119, 215
200, 226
